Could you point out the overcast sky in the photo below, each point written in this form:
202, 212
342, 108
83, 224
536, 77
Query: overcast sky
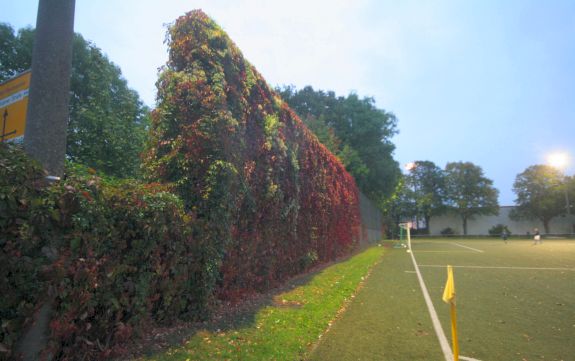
486, 81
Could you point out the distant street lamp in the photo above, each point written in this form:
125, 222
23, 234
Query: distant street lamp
560, 161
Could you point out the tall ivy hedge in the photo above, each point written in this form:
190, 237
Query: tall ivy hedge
242, 196
271, 199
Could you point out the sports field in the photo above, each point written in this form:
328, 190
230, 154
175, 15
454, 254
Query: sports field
515, 301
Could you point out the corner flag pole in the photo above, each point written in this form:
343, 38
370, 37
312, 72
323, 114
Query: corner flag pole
449, 297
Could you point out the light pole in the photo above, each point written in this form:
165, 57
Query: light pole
560, 161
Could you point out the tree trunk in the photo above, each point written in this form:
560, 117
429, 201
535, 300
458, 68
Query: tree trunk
427, 227
47, 119
546, 225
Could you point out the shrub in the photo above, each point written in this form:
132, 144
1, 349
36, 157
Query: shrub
24, 210
128, 258
112, 255
448, 231
498, 229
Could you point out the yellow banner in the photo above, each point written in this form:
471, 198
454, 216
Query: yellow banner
13, 106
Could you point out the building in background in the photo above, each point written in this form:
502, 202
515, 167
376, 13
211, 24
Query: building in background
480, 225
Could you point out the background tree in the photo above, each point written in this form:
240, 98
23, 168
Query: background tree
468, 192
361, 132
108, 121
15, 51
540, 194
398, 207
570, 184
427, 182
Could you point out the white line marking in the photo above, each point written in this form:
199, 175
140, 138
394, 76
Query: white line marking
441, 251
503, 267
435, 320
468, 358
473, 249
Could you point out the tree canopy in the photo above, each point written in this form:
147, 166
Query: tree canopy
540, 191
356, 131
468, 192
398, 207
108, 121
427, 184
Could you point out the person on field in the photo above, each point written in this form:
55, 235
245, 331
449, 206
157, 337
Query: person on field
504, 235
537, 237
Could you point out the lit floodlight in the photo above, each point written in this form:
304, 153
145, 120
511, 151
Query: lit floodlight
558, 160
410, 166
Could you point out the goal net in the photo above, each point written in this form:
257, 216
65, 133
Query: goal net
404, 236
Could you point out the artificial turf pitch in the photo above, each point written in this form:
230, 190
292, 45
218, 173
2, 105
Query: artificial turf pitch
515, 301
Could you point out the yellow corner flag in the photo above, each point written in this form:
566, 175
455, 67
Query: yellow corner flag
449, 291
449, 297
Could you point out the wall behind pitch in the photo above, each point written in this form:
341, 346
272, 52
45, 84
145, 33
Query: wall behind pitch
371, 221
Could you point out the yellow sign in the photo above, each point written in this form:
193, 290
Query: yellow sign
13, 107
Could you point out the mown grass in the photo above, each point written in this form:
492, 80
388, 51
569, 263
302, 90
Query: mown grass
287, 327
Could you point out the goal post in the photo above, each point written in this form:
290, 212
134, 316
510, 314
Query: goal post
405, 235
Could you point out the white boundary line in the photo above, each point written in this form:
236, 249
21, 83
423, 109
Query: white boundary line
468, 358
471, 248
434, 319
442, 251
447, 353
506, 267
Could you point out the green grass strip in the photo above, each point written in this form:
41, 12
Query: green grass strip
387, 320
289, 325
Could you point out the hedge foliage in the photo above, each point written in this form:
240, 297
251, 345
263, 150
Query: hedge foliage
272, 199
242, 196
112, 256
23, 211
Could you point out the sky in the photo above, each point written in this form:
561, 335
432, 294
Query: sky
484, 81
